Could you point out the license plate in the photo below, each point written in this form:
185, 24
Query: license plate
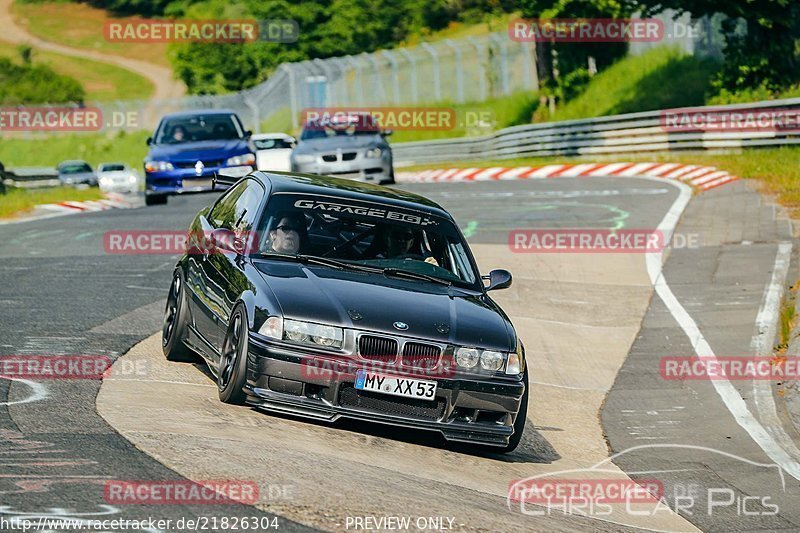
419, 389
197, 183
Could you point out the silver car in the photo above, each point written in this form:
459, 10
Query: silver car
117, 177
352, 150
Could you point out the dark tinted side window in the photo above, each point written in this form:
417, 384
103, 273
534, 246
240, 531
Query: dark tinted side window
238, 208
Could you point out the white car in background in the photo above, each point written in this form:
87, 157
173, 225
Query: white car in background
117, 177
273, 151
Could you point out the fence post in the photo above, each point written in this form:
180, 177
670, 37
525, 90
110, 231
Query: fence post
329, 83
437, 85
503, 62
395, 76
482, 69
292, 94
412, 67
459, 70
359, 90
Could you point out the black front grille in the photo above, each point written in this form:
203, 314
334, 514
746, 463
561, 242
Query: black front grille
419, 355
329, 158
391, 405
348, 156
377, 348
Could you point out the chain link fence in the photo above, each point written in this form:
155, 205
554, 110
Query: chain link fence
457, 71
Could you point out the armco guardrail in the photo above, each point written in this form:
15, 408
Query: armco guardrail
31, 177
618, 134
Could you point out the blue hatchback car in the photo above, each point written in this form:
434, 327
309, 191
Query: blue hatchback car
189, 147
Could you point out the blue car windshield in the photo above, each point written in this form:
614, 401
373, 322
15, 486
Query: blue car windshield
195, 128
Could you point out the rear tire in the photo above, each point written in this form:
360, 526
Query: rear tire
174, 330
155, 199
232, 371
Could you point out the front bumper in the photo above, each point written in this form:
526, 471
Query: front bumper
182, 181
476, 410
377, 170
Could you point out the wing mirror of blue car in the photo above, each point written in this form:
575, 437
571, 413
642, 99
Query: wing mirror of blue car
149, 141
225, 239
386, 133
498, 279
248, 134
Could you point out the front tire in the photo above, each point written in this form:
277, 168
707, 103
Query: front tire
155, 199
232, 371
174, 330
519, 423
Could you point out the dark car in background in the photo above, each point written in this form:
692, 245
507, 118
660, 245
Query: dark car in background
76, 172
330, 299
190, 147
353, 147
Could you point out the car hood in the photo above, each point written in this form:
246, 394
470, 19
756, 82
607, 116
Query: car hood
205, 150
374, 302
340, 142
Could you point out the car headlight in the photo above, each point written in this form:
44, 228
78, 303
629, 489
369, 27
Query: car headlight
309, 333
492, 361
131, 179
241, 160
158, 166
467, 357
272, 328
487, 360
304, 158
373, 153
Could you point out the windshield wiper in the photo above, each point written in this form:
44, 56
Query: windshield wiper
400, 273
315, 260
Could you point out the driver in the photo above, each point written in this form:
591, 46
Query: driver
398, 242
178, 134
284, 237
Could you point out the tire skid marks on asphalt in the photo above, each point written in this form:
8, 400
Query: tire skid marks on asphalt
730, 397
701, 177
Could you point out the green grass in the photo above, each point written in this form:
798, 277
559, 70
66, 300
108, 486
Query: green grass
95, 148
659, 79
18, 201
101, 81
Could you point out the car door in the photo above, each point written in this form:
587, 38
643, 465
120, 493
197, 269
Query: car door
224, 270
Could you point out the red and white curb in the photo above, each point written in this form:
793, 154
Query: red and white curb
701, 177
113, 201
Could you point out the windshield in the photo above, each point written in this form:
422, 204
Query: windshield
324, 128
112, 168
366, 234
270, 144
194, 128
74, 168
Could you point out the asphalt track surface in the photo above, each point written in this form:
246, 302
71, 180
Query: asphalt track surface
63, 295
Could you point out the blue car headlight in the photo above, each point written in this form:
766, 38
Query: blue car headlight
158, 166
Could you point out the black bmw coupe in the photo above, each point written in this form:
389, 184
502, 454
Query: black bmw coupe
327, 298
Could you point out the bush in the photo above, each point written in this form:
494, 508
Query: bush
36, 84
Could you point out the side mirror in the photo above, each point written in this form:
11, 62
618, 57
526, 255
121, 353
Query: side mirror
386, 133
225, 239
248, 134
149, 141
498, 279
